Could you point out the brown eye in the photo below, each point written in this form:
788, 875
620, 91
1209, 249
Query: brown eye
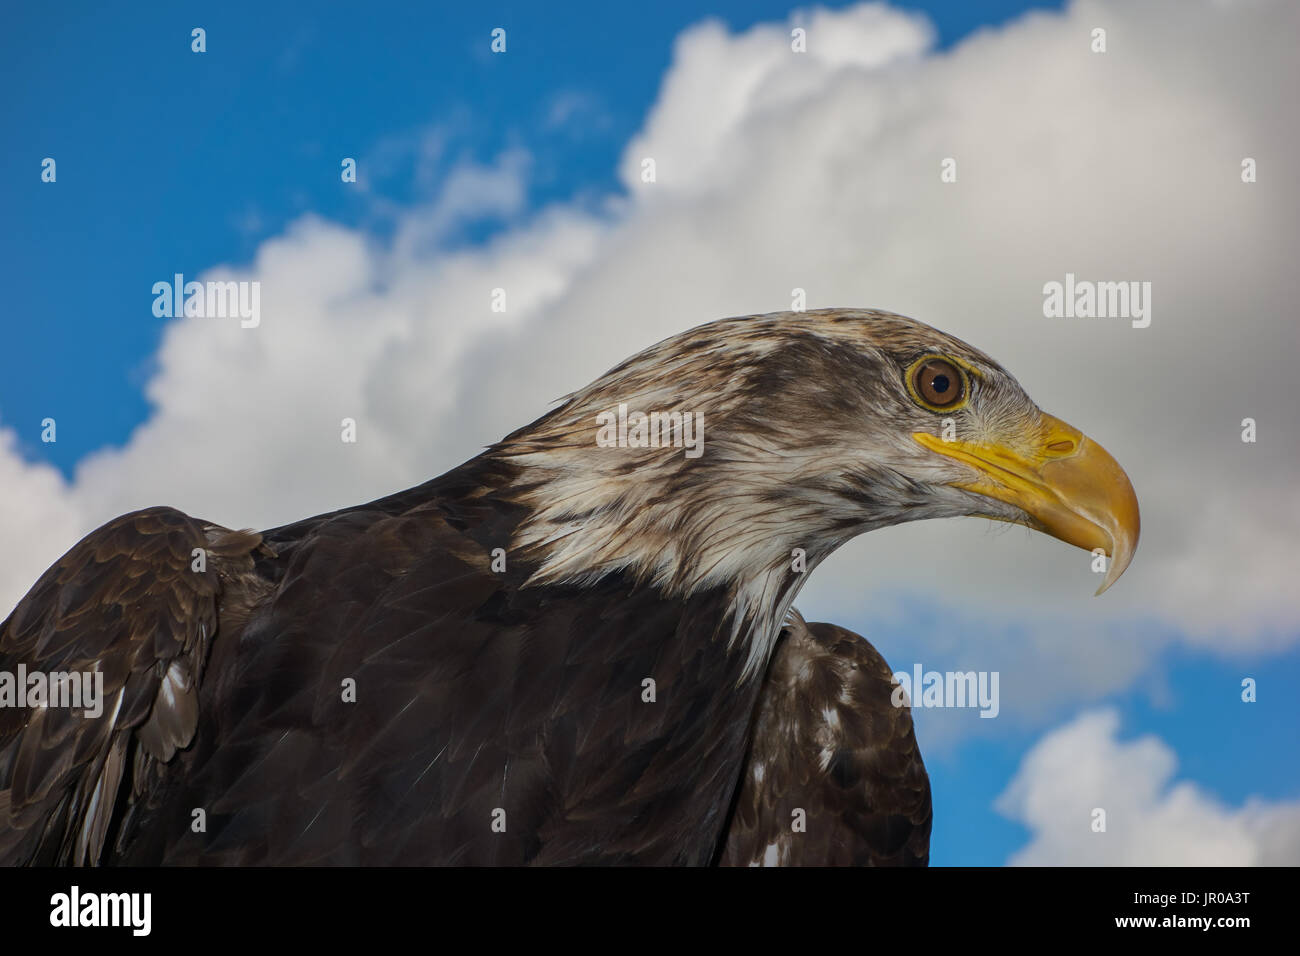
939, 383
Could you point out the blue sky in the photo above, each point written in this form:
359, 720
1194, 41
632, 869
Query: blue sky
169, 161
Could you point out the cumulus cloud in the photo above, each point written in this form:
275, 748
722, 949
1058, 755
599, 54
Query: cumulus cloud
1151, 818
821, 170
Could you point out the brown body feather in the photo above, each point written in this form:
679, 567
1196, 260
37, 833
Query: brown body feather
473, 695
127, 602
833, 776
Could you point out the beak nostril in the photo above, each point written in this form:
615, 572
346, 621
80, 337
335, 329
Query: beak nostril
1063, 447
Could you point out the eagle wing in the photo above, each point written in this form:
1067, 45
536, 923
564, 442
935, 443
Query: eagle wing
833, 774
133, 603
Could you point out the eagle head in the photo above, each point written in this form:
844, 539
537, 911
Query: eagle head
810, 428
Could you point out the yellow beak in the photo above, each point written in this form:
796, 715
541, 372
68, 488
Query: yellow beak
1067, 484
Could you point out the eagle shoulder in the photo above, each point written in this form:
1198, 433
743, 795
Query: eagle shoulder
833, 774
134, 604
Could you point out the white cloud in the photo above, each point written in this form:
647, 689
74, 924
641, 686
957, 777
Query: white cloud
821, 170
1151, 819
39, 518
723, 90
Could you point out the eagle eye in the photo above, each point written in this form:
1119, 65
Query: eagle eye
937, 383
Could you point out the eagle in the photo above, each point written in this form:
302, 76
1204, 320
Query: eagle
578, 647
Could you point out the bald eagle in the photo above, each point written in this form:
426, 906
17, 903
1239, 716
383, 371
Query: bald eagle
567, 650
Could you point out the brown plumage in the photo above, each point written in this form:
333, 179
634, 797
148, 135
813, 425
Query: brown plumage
128, 602
833, 775
552, 654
